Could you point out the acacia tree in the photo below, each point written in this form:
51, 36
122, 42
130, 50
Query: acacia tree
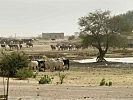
97, 30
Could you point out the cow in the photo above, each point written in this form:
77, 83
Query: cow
33, 65
66, 63
15, 46
53, 47
3, 45
29, 44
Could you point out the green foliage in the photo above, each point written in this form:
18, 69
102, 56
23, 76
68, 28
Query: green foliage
110, 84
104, 82
71, 37
45, 79
35, 74
128, 17
117, 41
61, 77
94, 28
24, 74
99, 28
10, 63
119, 25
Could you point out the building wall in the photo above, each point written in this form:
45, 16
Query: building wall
53, 35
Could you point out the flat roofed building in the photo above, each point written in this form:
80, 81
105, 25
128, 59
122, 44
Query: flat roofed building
53, 35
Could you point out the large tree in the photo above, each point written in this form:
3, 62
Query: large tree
100, 30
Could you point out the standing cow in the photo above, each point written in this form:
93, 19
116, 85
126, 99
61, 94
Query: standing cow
33, 65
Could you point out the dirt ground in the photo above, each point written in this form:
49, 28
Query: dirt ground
30, 91
81, 81
81, 84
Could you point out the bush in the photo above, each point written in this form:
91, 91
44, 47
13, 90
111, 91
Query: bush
110, 84
106, 84
61, 77
102, 82
35, 74
45, 80
10, 63
24, 74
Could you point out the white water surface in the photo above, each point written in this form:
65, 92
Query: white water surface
123, 60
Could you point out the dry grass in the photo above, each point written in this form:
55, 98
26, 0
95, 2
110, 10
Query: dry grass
93, 76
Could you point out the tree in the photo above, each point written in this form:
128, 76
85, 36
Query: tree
10, 63
128, 16
97, 30
71, 37
120, 25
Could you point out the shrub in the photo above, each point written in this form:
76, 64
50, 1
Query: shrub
45, 80
35, 74
61, 77
102, 82
24, 74
110, 84
10, 63
106, 84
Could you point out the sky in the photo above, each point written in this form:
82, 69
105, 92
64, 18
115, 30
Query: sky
32, 17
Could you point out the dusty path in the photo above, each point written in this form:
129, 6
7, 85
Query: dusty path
28, 91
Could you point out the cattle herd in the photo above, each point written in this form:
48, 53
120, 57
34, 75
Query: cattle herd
66, 46
15, 43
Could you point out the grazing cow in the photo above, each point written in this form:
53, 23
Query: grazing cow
20, 46
66, 63
77, 46
29, 44
33, 65
59, 64
53, 47
41, 64
15, 46
3, 45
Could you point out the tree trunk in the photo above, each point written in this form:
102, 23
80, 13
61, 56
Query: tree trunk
7, 87
100, 57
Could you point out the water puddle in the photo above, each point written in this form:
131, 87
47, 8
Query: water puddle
123, 60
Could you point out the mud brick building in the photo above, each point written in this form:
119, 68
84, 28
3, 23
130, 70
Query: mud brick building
53, 36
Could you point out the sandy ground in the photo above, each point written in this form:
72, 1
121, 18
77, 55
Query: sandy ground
78, 85
30, 91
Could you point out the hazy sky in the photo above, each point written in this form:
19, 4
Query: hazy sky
32, 17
